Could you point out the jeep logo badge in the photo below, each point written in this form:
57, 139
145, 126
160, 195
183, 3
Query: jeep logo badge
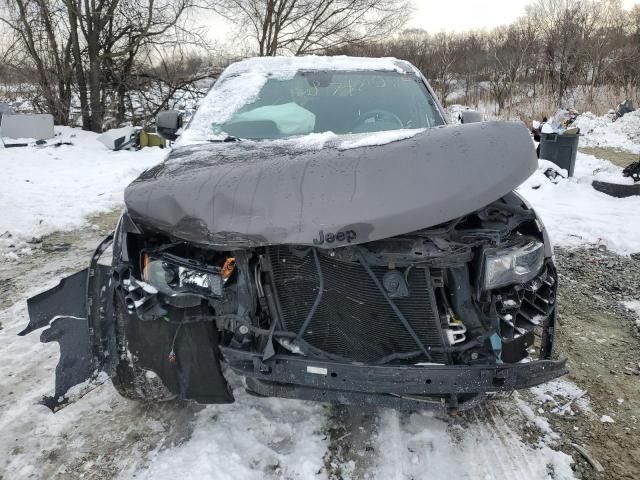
348, 235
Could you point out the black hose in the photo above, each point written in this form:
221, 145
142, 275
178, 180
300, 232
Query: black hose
314, 307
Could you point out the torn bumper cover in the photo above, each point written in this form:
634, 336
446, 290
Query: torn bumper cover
77, 315
393, 386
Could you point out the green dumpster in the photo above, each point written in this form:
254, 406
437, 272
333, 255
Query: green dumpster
560, 149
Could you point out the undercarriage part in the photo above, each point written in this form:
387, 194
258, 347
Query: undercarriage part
398, 402
354, 320
393, 379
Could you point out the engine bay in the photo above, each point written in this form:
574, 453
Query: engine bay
479, 289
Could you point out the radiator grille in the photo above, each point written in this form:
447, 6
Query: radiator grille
353, 319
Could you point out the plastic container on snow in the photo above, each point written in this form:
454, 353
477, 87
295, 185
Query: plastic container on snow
560, 149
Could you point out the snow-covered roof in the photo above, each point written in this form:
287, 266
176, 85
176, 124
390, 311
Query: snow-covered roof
287, 67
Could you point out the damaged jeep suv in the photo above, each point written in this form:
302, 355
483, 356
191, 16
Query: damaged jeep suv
320, 230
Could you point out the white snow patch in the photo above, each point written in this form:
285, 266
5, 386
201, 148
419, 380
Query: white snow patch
632, 305
562, 395
56, 188
606, 419
575, 214
254, 438
311, 141
380, 138
419, 445
147, 287
623, 134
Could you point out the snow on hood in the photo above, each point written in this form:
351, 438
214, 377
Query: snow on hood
250, 75
247, 194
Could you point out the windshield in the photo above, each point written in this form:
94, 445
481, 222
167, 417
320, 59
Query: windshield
341, 102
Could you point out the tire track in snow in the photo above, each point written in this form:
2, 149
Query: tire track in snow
497, 417
491, 453
483, 443
351, 433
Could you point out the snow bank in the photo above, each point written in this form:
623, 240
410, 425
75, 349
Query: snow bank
56, 188
575, 214
623, 134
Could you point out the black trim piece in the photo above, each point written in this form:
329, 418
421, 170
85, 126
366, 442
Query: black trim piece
400, 380
318, 299
342, 397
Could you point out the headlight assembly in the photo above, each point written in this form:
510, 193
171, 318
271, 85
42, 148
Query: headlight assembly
517, 263
173, 275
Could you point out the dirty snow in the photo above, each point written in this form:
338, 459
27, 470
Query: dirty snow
421, 446
246, 439
633, 305
575, 214
602, 131
263, 438
105, 436
56, 188
560, 396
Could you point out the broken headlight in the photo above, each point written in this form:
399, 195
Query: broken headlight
517, 263
174, 275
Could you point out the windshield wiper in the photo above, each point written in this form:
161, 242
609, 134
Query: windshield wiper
228, 138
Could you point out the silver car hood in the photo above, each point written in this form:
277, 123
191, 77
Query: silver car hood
245, 194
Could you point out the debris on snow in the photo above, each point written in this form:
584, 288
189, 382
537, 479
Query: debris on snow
597, 466
577, 215
562, 394
623, 134
47, 190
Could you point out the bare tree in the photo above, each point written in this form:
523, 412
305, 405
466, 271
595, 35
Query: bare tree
107, 36
507, 51
91, 46
564, 27
308, 26
39, 27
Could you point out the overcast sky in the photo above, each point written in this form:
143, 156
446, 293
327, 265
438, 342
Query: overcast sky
430, 15
459, 15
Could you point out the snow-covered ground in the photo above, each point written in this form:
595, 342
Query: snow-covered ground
103, 436
106, 436
575, 214
602, 131
51, 188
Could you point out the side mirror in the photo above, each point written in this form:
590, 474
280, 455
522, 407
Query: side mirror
168, 123
470, 116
